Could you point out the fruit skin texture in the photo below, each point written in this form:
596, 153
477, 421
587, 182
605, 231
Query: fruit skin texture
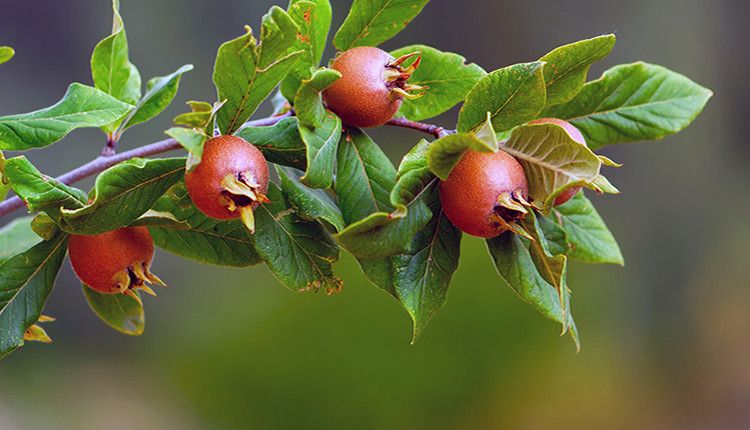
98, 259
576, 135
224, 156
362, 97
470, 194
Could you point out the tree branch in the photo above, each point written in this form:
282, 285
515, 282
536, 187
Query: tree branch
105, 161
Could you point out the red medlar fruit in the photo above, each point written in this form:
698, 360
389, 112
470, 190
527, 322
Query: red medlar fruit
371, 87
230, 180
480, 193
576, 135
118, 261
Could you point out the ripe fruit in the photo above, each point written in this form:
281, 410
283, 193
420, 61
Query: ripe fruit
484, 193
230, 181
371, 87
115, 262
576, 135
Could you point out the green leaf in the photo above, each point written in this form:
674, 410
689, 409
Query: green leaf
376, 227
122, 194
321, 143
552, 160
4, 184
40, 192
632, 102
364, 177
308, 103
111, 68
372, 22
16, 237
280, 143
119, 311
310, 204
246, 70
419, 278
81, 106
568, 66
446, 75
383, 234
25, 283
44, 226
207, 240
512, 255
552, 237
422, 276
160, 92
319, 128
512, 95
191, 139
199, 116
299, 253
314, 20
6, 53
413, 177
591, 240
446, 152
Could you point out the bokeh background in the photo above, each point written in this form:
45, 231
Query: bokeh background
666, 340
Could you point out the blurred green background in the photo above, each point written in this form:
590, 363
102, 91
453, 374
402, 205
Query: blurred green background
666, 340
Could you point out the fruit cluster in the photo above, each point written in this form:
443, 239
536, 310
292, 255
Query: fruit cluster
511, 172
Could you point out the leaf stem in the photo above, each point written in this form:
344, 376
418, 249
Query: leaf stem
109, 158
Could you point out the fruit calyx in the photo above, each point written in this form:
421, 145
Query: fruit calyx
510, 209
136, 277
241, 193
396, 77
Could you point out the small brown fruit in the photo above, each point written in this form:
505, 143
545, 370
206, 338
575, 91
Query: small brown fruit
230, 181
371, 87
477, 192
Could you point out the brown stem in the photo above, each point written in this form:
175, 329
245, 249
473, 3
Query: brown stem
432, 129
104, 161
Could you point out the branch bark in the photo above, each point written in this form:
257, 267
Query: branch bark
104, 161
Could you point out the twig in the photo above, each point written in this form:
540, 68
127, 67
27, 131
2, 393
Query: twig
104, 161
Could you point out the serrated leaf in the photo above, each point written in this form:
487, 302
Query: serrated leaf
111, 68
6, 53
632, 102
247, 70
446, 75
591, 240
207, 240
512, 256
119, 311
372, 22
16, 237
446, 152
26, 280
81, 106
122, 194
512, 95
309, 203
314, 20
280, 143
552, 160
568, 66
40, 192
160, 92
299, 253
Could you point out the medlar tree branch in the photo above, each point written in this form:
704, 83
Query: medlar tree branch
109, 159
